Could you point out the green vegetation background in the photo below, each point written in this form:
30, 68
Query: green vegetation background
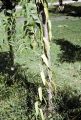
66, 67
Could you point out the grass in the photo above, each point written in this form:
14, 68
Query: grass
65, 59
66, 65
67, 28
65, 49
51, 1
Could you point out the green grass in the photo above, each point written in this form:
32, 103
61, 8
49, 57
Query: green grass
68, 72
66, 30
69, 29
66, 63
51, 1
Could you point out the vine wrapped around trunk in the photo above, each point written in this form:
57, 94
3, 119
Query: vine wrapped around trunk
46, 74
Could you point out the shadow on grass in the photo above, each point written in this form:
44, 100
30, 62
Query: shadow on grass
19, 76
5, 62
68, 102
70, 52
31, 88
69, 10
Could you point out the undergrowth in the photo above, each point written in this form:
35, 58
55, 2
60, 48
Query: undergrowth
17, 100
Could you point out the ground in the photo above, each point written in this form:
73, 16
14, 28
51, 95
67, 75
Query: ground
66, 47
66, 64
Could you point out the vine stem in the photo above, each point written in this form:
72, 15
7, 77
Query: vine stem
46, 59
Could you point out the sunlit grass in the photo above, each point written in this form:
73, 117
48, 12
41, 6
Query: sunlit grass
66, 29
66, 63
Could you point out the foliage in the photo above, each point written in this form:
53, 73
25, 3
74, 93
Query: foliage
14, 100
19, 88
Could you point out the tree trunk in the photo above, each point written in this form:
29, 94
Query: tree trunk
41, 7
11, 37
60, 2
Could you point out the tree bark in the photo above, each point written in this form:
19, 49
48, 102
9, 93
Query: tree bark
44, 21
11, 36
60, 2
